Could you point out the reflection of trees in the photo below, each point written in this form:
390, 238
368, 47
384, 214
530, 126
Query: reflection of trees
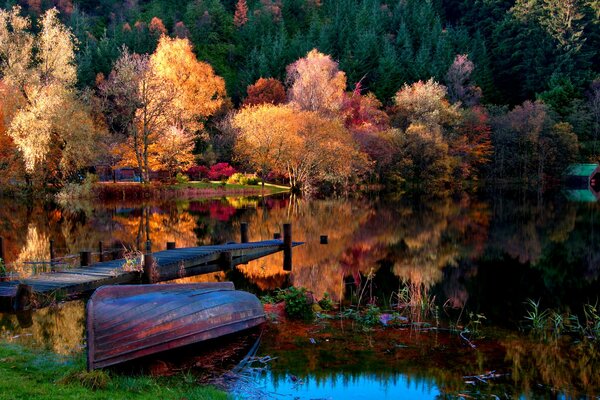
420, 239
59, 329
571, 367
524, 227
557, 238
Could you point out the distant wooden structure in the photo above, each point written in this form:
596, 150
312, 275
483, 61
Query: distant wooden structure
128, 322
45, 288
582, 182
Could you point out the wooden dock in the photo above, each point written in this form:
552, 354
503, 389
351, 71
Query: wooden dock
43, 289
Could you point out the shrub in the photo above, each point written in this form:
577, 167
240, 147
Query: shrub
73, 190
220, 171
298, 304
326, 303
181, 178
197, 172
243, 179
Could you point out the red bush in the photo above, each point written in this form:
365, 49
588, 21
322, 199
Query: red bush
220, 171
197, 172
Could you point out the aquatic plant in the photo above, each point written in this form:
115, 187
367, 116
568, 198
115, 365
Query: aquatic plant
326, 303
474, 325
554, 324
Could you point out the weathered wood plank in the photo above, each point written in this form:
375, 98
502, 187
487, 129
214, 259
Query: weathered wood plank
171, 264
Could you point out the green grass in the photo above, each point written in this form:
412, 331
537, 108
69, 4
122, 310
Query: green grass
34, 375
270, 188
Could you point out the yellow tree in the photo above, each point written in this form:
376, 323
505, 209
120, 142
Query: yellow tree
266, 135
198, 91
50, 125
173, 151
323, 151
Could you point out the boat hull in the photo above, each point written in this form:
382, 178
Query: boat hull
132, 321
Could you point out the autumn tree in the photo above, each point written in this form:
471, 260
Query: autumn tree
173, 151
264, 138
303, 145
529, 145
268, 90
425, 119
241, 13
458, 79
470, 144
369, 124
317, 153
315, 83
424, 103
51, 126
146, 97
11, 162
363, 112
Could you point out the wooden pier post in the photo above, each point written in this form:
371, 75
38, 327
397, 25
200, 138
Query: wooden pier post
171, 246
150, 272
23, 297
287, 247
277, 235
324, 239
2, 250
226, 260
244, 232
86, 258
52, 255
100, 251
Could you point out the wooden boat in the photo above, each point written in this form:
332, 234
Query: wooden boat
131, 321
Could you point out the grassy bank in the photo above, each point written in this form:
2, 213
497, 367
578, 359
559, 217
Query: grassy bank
32, 375
230, 187
136, 191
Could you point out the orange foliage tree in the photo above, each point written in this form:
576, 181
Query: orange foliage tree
304, 145
241, 13
268, 90
150, 98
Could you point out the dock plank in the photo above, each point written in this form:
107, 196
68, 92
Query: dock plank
171, 264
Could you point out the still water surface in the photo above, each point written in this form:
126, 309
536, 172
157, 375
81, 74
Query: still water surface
469, 255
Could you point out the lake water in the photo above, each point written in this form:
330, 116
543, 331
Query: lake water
476, 260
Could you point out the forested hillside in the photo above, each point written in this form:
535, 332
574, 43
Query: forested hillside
520, 78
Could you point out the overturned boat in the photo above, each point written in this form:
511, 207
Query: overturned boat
132, 321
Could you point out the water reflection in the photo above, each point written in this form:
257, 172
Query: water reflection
59, 329
486, 255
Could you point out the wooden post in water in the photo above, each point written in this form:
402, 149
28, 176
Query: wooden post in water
150, 272
226, 260
23, 297
52, 255
100, 251
171, 246
2, 250
244, 232
287, 247
277, 235
86, 258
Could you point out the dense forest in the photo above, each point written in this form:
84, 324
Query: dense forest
323, 94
